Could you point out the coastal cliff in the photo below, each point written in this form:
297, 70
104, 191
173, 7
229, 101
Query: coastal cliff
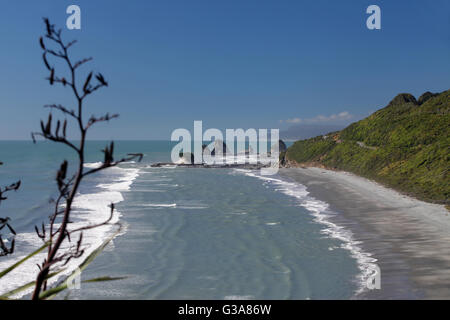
404, 146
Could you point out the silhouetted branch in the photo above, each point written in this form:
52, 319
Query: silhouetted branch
4, 222
109, 162
106, 117
56, 131
112, 206
62, 109
81, 62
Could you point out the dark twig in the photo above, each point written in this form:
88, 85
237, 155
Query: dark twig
4, 222
56, 131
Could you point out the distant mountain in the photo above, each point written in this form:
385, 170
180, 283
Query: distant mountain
405, 145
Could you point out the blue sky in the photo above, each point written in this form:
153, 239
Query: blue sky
232, 64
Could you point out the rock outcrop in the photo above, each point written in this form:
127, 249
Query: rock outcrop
186, 158
403, 98
282, 146
426, 96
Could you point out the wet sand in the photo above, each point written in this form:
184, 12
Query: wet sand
409, 238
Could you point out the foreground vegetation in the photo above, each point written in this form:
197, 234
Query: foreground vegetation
61, 241
404, 146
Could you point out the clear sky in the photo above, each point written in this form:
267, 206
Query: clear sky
232, 64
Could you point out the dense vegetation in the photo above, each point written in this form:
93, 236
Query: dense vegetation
404, 145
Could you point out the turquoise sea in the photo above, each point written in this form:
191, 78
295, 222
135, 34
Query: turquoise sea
186, 233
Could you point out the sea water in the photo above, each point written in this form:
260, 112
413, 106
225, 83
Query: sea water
187, 233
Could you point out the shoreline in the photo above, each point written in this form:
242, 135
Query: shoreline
95, 201
408, 237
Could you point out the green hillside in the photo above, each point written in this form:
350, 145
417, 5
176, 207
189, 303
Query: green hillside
404, 145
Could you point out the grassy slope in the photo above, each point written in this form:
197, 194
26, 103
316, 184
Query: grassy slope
404, 145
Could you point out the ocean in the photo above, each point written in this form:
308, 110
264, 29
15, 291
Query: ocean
187, 233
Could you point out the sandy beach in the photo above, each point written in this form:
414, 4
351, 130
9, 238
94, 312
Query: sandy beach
409, 238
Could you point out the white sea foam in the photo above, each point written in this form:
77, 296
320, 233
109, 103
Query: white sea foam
160, 205
155, 179
164, 166
93, 165
238, 213
88, 209
191, 205
321, 213
127, 176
